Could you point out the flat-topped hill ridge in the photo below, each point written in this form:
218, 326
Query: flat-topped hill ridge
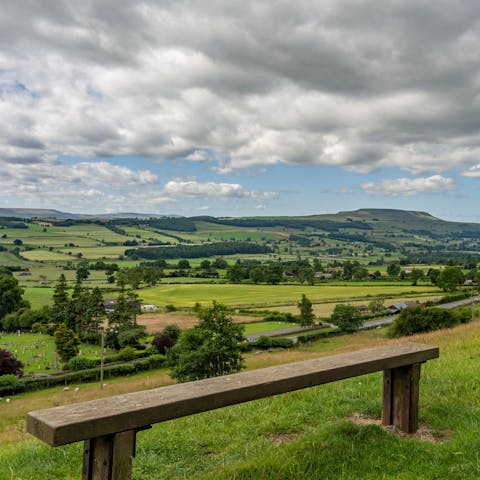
370, 233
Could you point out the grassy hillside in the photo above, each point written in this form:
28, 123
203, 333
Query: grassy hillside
310, 434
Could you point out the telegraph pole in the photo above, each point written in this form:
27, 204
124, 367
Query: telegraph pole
102, 358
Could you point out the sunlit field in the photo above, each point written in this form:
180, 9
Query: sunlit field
182, 295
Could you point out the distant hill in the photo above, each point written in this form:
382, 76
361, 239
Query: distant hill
51, 213
387, 221
368, 233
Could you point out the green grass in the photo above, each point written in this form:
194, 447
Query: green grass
302, 435
38, 297
37, 351
241, 235
259, 327
45, 255
96, 252
255, 295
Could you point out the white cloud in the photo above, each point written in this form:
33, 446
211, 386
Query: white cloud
409, 186
473, 171
87, 173
193, 188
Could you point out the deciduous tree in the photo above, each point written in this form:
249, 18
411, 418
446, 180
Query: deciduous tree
10, 295
209, 349
346, 317
450, 278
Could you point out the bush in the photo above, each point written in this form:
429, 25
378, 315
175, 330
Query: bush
170, 308
310, 337
173, 331
23, 319
275, 316
453, 298
118, 357
82, 363
420, 319
264, 342
149, 351
131, 336
126, 354
9, 365
10, 383
162, 343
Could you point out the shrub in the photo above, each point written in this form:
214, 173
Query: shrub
126, 354
149, 351
453, 298
10, 383
131, 336
9, 365
420, 319
170, 308
82, 363
173, 331
310, 337
162, 343
275, 316
265, 342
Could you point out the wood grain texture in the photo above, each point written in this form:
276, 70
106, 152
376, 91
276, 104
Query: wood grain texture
98, 418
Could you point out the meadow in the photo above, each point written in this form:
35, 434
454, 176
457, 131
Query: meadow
245, 295
328, 432
37, 351
260, 327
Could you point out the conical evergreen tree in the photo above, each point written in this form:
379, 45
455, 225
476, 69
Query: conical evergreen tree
307, 316
61, 302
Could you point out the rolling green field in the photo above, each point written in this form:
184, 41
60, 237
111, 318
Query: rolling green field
183, 295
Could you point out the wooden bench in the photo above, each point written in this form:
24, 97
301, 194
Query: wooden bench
109, 425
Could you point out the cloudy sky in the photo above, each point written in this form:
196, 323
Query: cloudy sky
251, 107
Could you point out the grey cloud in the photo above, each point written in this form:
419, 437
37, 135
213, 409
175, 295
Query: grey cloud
361, 84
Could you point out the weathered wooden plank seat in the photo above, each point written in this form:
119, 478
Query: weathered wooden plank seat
109, 425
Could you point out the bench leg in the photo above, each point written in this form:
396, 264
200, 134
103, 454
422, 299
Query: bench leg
109, 457
400, 397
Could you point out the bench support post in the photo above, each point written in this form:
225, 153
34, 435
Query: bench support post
109, 457
400, 397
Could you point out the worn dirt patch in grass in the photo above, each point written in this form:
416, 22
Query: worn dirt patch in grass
424, 433
279, 438
156, 322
